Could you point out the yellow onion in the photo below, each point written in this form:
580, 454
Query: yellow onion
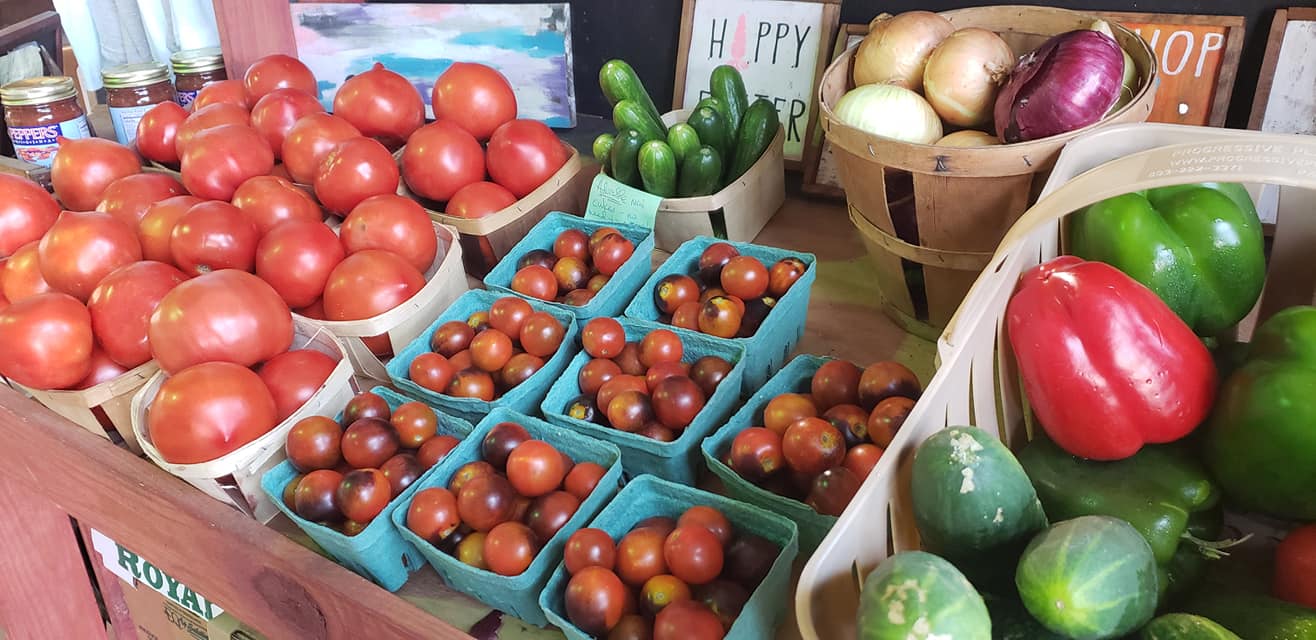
969, 138
890, 111
897, 48
963, 75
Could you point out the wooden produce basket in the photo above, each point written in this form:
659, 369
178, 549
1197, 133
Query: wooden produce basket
103, 407
977, 383
964, 199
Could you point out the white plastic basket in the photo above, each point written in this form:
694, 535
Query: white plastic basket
977, 381
235, 478
113, 398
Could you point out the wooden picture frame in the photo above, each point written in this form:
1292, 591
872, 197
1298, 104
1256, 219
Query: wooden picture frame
1275, 43
816, 147
831, 17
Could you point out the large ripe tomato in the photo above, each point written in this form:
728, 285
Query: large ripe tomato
296, 258
85, 166
128, 197
21, 277
82, 248
393, 223
355, 170
479, 199
211, 236
524, 154
208, 410
382, 104
221, 158
121, 308
274, 114
440, 159
269, 200
103, 369
310, 140
26, 212
210, 117
157, 226
221, 91
277, 71
368, 283
475, 97
294, 376
157, 132
228, 315
45, 341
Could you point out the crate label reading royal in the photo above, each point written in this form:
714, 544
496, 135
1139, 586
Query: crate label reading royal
134, 569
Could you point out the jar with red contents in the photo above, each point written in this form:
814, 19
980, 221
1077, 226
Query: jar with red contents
130, 91
196, 68
40, 111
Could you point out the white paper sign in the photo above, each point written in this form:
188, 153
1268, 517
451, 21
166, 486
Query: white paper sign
774, 44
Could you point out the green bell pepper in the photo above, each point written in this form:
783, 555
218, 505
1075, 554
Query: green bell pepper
1260, 442
1199, 247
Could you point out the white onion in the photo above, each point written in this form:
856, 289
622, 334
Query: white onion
890, 111
963, 75
897, 48
969, 138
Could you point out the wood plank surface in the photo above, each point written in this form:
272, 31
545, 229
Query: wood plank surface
250, 29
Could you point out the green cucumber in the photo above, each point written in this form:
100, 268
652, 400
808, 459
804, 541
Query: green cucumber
712, 130
658, 168
1184, 626
918, 595
683, 140
757, 130
1011, 621
628, 114
625, 156
1254, 616
602, 145
722, 108
619, 82
726, 84
700, 173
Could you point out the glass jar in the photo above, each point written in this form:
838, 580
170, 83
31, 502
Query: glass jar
38, 111
196, 68
130, 91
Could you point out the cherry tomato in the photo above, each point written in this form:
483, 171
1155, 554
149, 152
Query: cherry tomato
471, 550
542, 334
270, 200
721, 316
611, 253
214, 235
887, 418
524, 154
597, 282
571, 274
783, 410
884, 379
382, 104
208, 410
616, 386
595, 373
832, 491
363, 494
84, 167
451, 338
82, 248
851, 420
216, 161
490, 350
220, 92
366, 405
502, 439
749, 559
468, 472
571, 243
812, 445
519, 369
21, 275
582, 479
415, 423
535, 468
479, 199
157, 226
369, 443
486, 501
708, 518
693, 553
687, 620
26, 213
661, 524
46, 341
660, 345
662, 590
157, 132
664, 370
603, 338
595, 600
744, 277
673, 292
402, 470
314, 442
632, 627
724, 598
296, 259
440, 159
311, 139
472, 383
277, 111
783, 274
536, 282
550, 512
121, 307
209, 117
589, 547
354, 170
756, 454
277, 71
714, 257
861, 459
475, 97
508, 315
368, 283
479, 321
630, 411
676, 402
640, 556
434, 450
294, 376
708, 372
225, 315
834, 383
629, 360
509, 548
128, 198
316, 496
656, 431
432, 514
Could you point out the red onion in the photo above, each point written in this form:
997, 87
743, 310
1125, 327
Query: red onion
1068, 83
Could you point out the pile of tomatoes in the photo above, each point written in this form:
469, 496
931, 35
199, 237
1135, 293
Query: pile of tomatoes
818, 447
351, 470
730, 294
642, 387
498, 511
577, 267
683, 579
490, 353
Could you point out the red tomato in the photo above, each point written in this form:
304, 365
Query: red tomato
156, 227
479, 199
296, 258
508, 315
756, 454
211, 236
432, 371
274, 114
693, 553
314, 442
269, 200
128, 198
210, 117
603, 338
832, 490
157, 132
475, 97
812, 445
440, 159
541, 334
640, 556
687, 620
277, 71
536, 282
393, 223
208, 410
363, 494
510, 548
582, 479
26, 212
228, 316
221, 91
589, 548
382, 104
310, 140
294, 376
221, 158
611, 253
103, 370
84, 167
432, 514
861, 459
355, 170
535, 468
81, 248
490, 350
121, 307
660, 345
1295, 564
524, 154
21, 276
595, 600
368, 283
45, 341
745, 277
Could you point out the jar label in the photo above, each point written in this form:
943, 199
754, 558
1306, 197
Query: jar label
125, 121
39, 144
185, 98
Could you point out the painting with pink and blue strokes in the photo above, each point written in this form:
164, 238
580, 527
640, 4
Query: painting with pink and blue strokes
530, 44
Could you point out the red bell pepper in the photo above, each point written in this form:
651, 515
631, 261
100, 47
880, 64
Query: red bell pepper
1106, 365
1295, 567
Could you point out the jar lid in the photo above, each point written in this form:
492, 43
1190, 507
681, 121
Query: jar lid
42, 90
139, 74
197, 60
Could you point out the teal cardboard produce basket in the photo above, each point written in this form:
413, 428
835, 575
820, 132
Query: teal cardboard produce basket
648, 496
621, 287
524, 398
519, 594
378, 553
772, 344
677, 460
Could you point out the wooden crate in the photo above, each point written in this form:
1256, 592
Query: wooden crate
102, 408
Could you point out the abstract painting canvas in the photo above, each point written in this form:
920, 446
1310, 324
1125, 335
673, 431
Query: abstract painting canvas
528, 43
